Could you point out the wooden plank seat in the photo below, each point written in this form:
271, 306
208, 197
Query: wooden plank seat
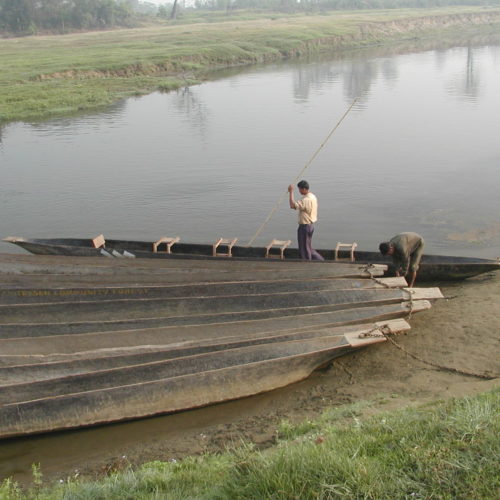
99, 241
228, 243
351, 247
281, 244
169, 243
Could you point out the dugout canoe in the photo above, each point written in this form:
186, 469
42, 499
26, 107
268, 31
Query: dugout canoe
105, 395
89, 341
432, 267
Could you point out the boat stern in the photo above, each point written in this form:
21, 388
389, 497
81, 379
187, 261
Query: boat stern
13, 239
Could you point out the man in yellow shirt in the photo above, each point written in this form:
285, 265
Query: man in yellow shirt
308, 215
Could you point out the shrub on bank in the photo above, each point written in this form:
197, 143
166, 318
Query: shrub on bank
448, 450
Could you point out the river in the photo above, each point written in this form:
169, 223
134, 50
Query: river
419, 151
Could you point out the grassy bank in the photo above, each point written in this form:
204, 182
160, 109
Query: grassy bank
46, 76
446, 450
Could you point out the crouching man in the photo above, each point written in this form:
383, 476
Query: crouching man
406, 250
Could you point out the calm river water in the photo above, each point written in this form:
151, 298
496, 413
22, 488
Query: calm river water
419, 151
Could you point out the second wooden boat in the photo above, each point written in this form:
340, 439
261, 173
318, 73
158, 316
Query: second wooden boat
432, 268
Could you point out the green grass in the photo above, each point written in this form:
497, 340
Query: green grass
448, 450
46, 76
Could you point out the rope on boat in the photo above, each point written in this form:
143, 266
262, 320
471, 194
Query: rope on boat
368, 269
411, 292
380, 282
435, 365
299, 175
373, 333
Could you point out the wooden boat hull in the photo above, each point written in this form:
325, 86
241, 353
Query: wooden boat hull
31, 343
156, 388
277, 303
433, 267
92, 341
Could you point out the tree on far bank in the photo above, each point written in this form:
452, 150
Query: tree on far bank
16, 15
173, 14
29, 16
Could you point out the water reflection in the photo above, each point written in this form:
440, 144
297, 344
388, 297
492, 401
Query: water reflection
356, 76
85, 121
471, 80
195, 110
312, 76
467, 82
358, 70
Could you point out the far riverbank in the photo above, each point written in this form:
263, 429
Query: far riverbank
48, 76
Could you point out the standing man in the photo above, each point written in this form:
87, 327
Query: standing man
308, 215
406, 250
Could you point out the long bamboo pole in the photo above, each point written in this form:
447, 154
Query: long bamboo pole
299, 175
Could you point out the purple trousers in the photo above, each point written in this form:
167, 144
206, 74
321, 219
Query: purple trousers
304, 237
